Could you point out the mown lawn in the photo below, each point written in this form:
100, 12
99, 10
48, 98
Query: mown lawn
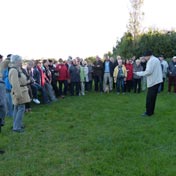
94, 135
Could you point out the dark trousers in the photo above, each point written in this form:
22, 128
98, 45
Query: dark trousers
128, 85
162, 84
90, 85
55, 88
98, 81
61, 84
74, 85
172, 81
137, 85
151, 99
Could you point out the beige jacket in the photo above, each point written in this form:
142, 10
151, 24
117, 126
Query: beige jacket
19, 91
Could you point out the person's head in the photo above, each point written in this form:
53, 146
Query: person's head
174, 59
161, 57
50, 62
16, 60
75, 62
147, 54
118, 57
106, 57
138, 62
1, 58
127, 61
30, 64
45, 62
9, 57
37, 63
120, 62
84, 62
60, 61
97, 58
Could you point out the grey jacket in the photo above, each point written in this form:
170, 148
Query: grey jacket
172, 68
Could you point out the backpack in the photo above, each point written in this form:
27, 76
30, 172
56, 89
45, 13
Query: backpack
19, 74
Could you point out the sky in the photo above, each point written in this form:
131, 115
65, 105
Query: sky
60, 28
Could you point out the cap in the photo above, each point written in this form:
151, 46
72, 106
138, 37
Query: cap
147, 53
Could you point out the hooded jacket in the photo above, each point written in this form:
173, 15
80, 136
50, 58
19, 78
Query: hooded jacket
19, 83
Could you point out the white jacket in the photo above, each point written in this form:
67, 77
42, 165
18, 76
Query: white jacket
153, 72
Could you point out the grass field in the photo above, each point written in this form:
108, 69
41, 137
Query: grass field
93, 135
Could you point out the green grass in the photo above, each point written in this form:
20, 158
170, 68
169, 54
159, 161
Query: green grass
94, 135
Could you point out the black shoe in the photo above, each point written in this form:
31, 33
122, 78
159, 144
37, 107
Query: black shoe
2, 151
145, 115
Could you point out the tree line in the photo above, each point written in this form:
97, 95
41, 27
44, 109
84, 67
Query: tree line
160, 42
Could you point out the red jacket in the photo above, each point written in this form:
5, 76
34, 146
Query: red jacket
43, 76
129, 68
63, 72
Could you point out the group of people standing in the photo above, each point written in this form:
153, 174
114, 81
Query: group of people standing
46, 81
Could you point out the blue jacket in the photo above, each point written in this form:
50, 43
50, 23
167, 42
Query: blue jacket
6, 79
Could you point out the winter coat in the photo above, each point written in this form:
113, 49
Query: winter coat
116, 71
129, 68
19, 84
98, 68
90, 68
172, 68
74, 72
62, 69
137, 69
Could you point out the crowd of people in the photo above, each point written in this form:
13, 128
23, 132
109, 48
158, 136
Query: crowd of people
45, 81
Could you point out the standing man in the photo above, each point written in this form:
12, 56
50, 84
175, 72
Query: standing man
164, 70
172, 75
2, 101
108, 69
153, 73
98, 74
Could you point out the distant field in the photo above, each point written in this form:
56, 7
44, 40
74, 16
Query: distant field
93, 135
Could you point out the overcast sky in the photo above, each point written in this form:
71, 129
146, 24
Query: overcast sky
59, 28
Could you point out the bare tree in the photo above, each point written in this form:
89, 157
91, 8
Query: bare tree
135, 18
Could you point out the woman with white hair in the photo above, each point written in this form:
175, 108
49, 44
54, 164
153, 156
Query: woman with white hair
19, 91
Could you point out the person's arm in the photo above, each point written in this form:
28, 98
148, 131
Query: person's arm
148, 71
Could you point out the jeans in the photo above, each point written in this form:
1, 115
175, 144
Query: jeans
9, 104
18, 114
120, 84
35, 88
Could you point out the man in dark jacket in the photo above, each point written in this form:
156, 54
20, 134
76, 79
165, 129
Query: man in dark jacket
98, 74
